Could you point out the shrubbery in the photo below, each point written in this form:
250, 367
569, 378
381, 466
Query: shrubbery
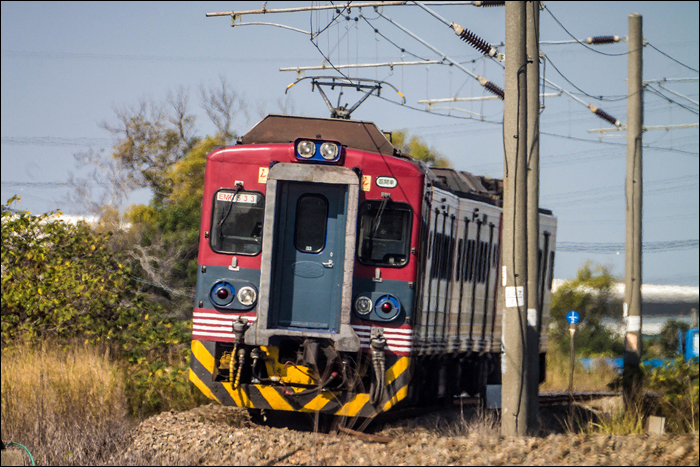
62, 282
677, 386
59, 280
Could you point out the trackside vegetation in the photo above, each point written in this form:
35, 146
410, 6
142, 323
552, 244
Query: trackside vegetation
61, 283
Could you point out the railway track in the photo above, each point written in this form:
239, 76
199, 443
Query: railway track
548, 398
461, 402
363, 428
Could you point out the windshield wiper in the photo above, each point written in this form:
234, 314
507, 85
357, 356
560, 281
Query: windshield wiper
225, 215
386, 197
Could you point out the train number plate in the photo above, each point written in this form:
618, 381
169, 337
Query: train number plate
240, 198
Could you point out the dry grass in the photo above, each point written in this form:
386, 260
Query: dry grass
477, 421
597, 379
66, 405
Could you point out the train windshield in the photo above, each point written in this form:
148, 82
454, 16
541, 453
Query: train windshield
384, 237
237, 221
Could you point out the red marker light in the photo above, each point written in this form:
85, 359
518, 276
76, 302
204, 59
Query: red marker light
222, 293
387, 307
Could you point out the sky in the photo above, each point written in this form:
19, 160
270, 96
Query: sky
66, 67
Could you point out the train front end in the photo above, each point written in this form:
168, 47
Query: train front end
307, 269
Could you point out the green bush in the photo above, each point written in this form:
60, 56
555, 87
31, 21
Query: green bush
59, 280
677, 385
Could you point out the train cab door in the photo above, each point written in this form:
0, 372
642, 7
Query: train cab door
309, 245
308, 255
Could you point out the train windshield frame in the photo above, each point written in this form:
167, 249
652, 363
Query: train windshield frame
237, 222
384, 233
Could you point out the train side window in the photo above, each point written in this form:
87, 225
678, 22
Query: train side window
460, 260
384, 233
551, 270
237, 222
311, 222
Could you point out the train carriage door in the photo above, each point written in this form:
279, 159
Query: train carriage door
307, 273
308, 255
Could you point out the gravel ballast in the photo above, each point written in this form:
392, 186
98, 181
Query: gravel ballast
216, 435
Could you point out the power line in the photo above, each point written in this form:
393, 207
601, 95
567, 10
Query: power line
667, 55
613, 248
150, 58
658, 93
578, 41
54, 141
402, 49
618, 144
600, 98
13, 184
440, 115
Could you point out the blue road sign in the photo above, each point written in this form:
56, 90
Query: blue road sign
572, 317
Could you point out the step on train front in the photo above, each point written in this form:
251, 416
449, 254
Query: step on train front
340, 276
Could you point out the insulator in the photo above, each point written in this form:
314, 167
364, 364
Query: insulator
602, 39
487, 3
604, 115
476, 42
494, 89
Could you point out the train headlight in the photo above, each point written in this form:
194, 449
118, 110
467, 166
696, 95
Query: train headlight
329, 151
247, 296
222, 293
306, 149
387, 307
363, 305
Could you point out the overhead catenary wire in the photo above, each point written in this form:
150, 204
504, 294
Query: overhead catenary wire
655, 91
647, 127
402, 49
661, 85
596, 40
488, 50
361, 65
600, 98
349, 4
545, 7
667, 55
618, 144
483, 81
466, 35
612, 248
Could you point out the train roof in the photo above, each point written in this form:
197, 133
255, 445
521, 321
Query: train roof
468, 185
354, 134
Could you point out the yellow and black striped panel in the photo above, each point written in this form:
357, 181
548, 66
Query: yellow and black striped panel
262, 396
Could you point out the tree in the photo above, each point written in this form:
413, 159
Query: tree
157, 148
222, 105
418, 149
151, 137
169, 231
591, 295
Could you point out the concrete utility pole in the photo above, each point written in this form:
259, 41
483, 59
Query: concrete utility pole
534, 308
633, 193
514, 406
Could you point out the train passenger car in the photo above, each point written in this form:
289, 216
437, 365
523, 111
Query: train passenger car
338, 275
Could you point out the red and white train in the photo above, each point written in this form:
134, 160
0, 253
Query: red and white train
341, 276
